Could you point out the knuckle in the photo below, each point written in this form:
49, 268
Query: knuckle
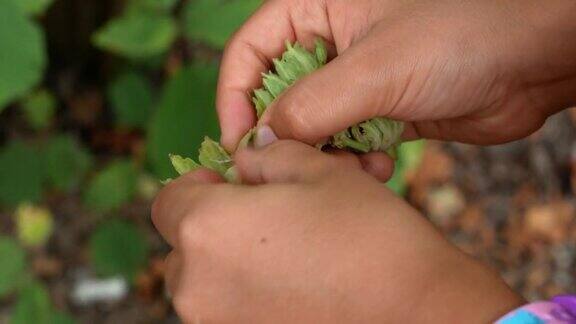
188, 230
293, 112
195, 225
203, 304
165, 196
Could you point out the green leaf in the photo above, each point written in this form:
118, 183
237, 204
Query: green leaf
22, 57
39, 108
58, 317
34, 225
13, 261
137, 36
185, 115
213, 156
66, 162
33, 306
112, 187
21, 174
214, 21
409, 158
157, 6
33, 7
148, 186
118, 248
131, 98
183, 165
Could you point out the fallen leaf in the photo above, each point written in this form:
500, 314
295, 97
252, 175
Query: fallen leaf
548, 222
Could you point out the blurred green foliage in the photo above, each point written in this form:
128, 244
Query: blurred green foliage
33, 7
33, 305
138, 35
39, 108
21, 174
183, 117
22, 54
24, 169
118, 248
13, 259
112, 187
160, 6
213, 21
131, 100
66, 162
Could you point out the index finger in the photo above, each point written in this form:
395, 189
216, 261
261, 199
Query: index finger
176, 199
249, 53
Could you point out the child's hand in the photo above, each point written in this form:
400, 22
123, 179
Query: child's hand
313, 240
471, 71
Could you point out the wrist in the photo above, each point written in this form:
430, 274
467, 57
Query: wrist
548, 34
559, 309
472, 293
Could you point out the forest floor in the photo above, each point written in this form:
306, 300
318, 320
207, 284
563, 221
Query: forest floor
511, 206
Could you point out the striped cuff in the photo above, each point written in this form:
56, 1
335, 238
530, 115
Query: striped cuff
559, 310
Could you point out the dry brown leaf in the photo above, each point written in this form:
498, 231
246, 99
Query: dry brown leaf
150, 283
548, 222
526, 195
46, 266
471, 220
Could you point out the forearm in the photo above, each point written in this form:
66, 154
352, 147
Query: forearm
549, 46
473, 294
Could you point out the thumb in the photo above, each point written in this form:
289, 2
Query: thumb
288, 161
344, 92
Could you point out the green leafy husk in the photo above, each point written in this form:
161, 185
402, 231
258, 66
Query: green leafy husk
211, 155
374, 135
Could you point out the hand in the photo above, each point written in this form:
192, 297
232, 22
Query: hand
480, 72
314, 239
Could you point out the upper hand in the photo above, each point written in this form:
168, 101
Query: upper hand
481, 72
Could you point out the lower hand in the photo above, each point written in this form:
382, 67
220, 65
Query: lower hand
313, 239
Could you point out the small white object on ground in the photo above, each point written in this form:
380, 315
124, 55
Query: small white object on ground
90, 291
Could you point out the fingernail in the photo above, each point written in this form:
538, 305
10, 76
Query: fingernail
264, 136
